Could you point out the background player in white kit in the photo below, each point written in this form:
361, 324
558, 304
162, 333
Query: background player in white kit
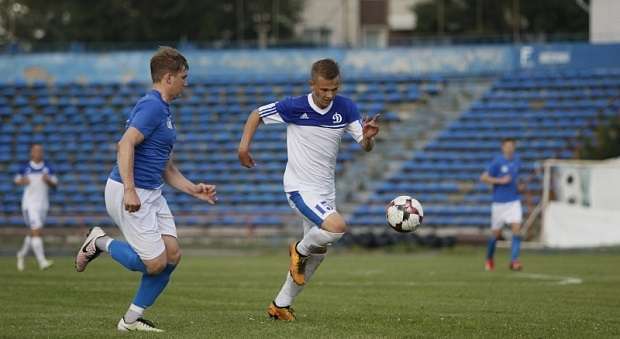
37, 176
315, 125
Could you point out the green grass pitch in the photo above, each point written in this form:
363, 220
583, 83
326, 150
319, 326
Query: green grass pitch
354, 294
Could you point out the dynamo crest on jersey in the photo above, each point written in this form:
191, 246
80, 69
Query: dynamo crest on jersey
337, 118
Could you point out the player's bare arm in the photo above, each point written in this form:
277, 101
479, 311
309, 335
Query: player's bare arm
125, 158
370, 129
487, 179
49, 181
176, 179
22, 181
245, 157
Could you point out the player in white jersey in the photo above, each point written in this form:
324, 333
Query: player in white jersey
315, 125
36, 177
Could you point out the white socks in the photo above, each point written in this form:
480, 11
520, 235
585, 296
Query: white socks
290, 289
37, 248
316, 238
133, 313
25, 247
103, 243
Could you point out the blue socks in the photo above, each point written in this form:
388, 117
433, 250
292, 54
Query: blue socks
516, 247
126, 256
515, 250
151, 287
491, 247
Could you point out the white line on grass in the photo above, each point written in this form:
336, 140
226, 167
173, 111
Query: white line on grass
557, 279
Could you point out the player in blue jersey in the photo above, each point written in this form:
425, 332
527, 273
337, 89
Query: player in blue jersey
133, 193
503, 174
37, 176
315, 125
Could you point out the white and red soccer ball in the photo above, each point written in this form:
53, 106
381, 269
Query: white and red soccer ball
404, 214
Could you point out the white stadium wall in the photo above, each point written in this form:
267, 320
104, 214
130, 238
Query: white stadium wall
604, 21
571, 226
585, 210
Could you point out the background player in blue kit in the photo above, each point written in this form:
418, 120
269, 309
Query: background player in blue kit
37, 176
315, 125
133, 192
503, 174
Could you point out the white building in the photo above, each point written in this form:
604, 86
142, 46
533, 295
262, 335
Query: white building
354, 23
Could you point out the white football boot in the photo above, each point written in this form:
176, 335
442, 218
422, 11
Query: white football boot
139, 325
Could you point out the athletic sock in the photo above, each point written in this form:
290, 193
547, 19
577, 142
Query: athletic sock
151, 287
25, 247
516, 247
37, 248
133, 313
491, 247
290, 289
316, 238
126, 256
103, 243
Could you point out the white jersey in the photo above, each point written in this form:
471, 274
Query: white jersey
37, 191
313, 139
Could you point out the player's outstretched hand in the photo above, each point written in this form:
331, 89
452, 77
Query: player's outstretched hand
205, 192
246, 158
131, 200
370, 126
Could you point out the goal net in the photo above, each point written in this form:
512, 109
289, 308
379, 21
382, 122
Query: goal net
581, 203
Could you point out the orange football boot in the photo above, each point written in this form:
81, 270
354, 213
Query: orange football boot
280, 313
297, 265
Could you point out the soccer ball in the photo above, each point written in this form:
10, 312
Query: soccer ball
404, 214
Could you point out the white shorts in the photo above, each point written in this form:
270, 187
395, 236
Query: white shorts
312, 207
34, 217
142, 229
505, 213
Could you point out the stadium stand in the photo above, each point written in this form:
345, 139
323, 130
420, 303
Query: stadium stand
79, 124
547, 112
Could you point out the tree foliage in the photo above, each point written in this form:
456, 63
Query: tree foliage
495, 17
605, 143
139, 20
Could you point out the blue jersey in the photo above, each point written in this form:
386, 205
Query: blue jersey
302, 111
499, 168
151, 116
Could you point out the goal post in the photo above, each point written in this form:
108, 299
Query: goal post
580, 203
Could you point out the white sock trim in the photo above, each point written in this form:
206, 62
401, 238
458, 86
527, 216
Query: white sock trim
23, 251
37, 248
290, 290
315, 238
136, 308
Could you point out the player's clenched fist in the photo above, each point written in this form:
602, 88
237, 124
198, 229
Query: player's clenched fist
246, 158
131, 200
